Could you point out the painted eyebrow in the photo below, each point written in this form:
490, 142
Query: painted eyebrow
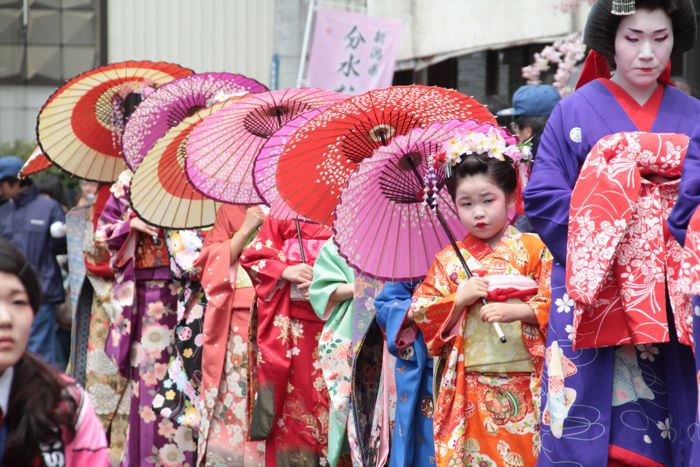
637, 31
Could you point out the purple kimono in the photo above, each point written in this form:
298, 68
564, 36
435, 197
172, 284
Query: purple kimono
627, 403
141, 339
688, 202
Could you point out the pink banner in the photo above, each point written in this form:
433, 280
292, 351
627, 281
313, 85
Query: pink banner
352, 53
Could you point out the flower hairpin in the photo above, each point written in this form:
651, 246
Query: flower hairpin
494, 143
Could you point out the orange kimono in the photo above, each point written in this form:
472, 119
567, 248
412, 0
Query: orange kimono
487, 407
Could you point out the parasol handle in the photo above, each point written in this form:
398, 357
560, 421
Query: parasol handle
453, 242
301, 243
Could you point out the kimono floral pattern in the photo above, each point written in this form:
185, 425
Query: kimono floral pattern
487, 407
140, 341
290, 397
178, 394
620, 258
223, 435
594, 430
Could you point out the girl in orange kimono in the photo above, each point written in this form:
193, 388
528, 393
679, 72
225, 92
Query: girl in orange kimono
223, 437
487, 407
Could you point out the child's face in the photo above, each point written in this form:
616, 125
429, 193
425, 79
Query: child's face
482, 206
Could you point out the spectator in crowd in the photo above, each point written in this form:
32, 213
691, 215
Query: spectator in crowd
532, 105
35, 225
47, 419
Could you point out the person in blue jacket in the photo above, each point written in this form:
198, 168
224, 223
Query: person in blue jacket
412, 441
35, 225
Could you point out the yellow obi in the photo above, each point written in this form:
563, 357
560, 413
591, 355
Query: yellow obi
484, 353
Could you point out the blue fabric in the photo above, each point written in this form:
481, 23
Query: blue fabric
412, 441
592, 423
25, 222
42, 338
688, 190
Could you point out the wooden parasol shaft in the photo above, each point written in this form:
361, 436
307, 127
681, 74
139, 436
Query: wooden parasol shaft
301, 243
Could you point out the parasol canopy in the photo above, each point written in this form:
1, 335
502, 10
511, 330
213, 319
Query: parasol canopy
170, 104
221, 151
160, 194
383, 227
79, 128
265, 166
321, 155
37, 162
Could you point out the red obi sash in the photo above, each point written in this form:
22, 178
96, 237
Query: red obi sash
621, 259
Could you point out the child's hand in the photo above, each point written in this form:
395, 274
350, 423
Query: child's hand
507, 313
471, 291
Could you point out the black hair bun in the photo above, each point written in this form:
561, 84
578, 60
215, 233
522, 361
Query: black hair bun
602, 24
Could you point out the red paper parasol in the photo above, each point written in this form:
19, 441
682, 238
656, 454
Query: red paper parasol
160, 193
172, 103
36, 163
79, 128
265, 166
221, 151
319, 158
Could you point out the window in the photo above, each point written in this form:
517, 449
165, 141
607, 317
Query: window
49, 41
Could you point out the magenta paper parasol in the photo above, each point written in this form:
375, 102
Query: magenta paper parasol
169, 105
265, 166
382, 226
222, 149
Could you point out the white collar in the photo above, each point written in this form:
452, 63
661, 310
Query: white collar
5, 387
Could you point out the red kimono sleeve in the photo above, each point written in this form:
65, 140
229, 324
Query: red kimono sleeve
264, 260
214, 260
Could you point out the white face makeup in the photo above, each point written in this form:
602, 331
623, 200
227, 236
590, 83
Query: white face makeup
643, 46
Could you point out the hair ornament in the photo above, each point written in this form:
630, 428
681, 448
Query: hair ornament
623, 7
494, 142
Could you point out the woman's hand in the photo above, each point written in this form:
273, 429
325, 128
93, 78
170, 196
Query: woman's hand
471, 291
254, 216
343, 292
140, 226
299, 274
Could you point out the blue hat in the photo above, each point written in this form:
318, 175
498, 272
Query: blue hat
533, 100
10, 166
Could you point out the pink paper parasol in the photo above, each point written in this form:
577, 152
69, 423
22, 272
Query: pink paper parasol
221, 150
265, 166
382, 226
169, 105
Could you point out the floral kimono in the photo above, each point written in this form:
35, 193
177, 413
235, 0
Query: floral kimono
223, 434
598, 390
373, 401
413, 441
488, 403
106, 386
335, 345
621, 261
140, 337
289, 397
178, 393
